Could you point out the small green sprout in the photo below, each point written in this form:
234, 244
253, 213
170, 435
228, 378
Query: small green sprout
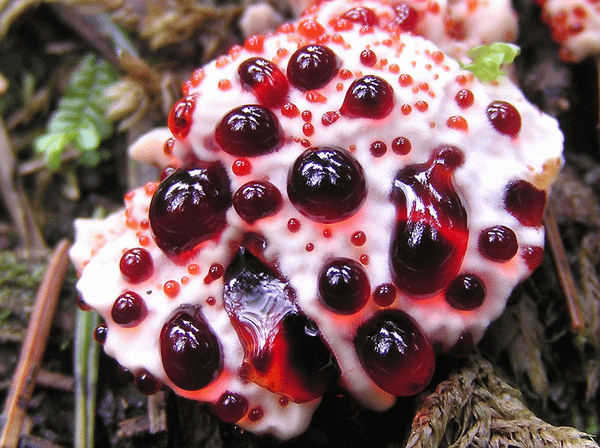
488, 60
80, 116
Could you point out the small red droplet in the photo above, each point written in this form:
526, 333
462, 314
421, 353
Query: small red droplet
327, 233
255, 414
254, 43
330, 117
405, 109
310, 247
457, 122
464, 98
405, 80
401, 145
171, 288
180, 117
193, 269
224, 84
290, 110
421, 105
308, 129
241, 167
364, 259
358, 238
215, 271
378, 149
306, 115
211, 301
310, 28
293, 225
384, 295
368, 58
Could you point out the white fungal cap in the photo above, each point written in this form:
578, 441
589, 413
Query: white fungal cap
385, 204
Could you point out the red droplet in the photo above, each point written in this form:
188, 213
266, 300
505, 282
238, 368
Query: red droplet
533, 256
525, 202
180, 117
384, 295
368, 58
368, 97
136, 265
358, 238
129, 309
464, 98
505, 118
310, 28
401, 145
498, 243
230, 407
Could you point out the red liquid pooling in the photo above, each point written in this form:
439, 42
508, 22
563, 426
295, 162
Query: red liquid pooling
312, 67
344, 286
180, 117
505, 118
498, 243
431, 235
189, 207
136, 265
190, 352
265, 79
395, 353
250, 130
362, 16
327, 184
129, 309
283, 350
525, 202
256, 200
466, 292
230, 407
368, 97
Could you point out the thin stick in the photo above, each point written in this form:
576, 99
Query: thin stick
564, 272
33, 346
15, 199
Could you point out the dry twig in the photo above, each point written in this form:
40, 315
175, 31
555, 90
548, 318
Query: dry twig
33, 347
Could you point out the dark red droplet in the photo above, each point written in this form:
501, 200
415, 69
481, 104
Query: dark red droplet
384, 294
368, 97
100, 333
505, 118
466, 292
180, 117
431, 235
533, 256
256, 200
401, 145
368, 58
498, 243
129, 309
362, 16
136, 265
265, 79
189, 207
378, 149
230, 407
256, 414
464, 98
395, 353
344, 286
250, 130
190, 352
312, 67
327, 184
525, 202
146, 383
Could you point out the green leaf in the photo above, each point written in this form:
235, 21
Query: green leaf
488, 60
80, 117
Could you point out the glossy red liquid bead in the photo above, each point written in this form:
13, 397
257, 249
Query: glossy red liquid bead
189, 207
505, 118
250, 130
525, 202
431, 235
361, 15
190, 352
368, 97
146, 383
384, 294
466, 292
136, 265
100, 333
344, 286
180, 117
327, 184
230, 407
395, 353
498, 243
256, 200
129, 309
265, 79
312, 66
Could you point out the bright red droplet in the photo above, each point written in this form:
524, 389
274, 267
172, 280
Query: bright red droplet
431, 235
505, 118
368, 97
265, 79
395, 352
180, 117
